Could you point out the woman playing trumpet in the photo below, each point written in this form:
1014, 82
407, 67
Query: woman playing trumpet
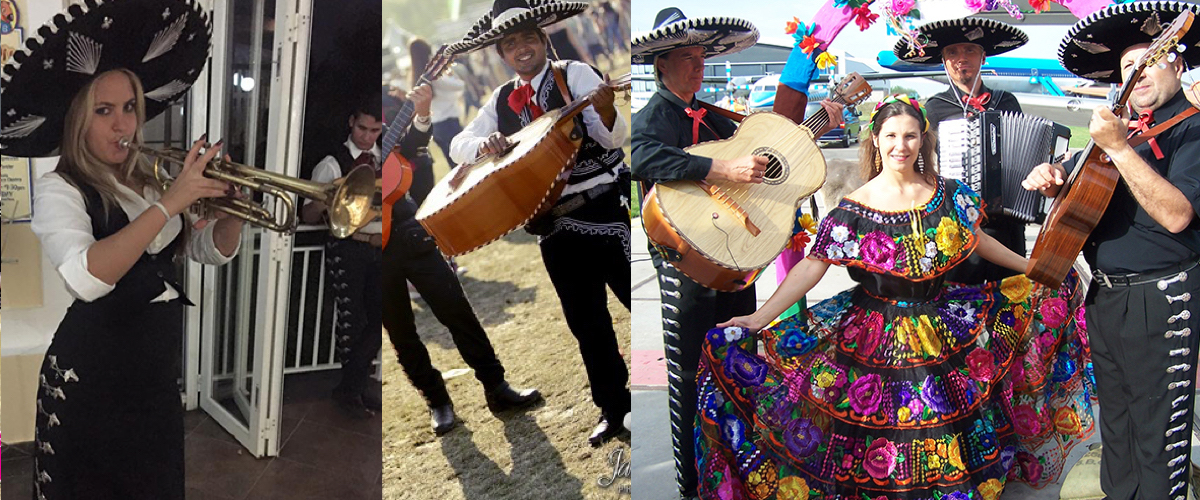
110, 422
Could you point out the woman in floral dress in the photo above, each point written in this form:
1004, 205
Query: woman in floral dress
904, 387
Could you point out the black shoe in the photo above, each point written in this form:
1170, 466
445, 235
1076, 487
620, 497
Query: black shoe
444, 419
372, 402
607, 429
504, 398
352, 405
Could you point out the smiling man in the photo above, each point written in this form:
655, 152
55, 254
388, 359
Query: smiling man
962, 46
1142, 331
584, 238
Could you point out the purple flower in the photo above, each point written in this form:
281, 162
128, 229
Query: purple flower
1006, 457
802, 437
734, 431
1007, 318
905, 394
878, 249
957, 495
934, 395
744, 368
881, 458
865, 394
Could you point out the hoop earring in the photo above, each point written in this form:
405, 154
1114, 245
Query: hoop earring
878, 162
920, 164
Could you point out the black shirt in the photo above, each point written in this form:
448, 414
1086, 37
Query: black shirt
1127, 239
404, 212
946, 105
660, 132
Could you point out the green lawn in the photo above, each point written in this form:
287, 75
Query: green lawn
1079, 137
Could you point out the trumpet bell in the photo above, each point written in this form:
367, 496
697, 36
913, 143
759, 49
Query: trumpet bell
350, 207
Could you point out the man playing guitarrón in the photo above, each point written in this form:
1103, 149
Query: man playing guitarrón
1142, 332
585, 237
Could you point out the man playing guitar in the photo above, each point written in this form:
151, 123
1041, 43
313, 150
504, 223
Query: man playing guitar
1143, 335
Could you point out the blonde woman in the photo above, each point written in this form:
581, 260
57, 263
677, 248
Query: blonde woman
110, 422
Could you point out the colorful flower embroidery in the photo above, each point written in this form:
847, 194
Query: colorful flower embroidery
981, 364
802, 437
743, 367
879, 249
991, 488
881, 458
1054, 312
1025, 420
1066, 421
949, 237
865, 394
1016, 288
793, 488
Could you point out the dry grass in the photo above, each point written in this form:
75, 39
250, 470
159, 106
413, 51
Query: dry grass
541, 453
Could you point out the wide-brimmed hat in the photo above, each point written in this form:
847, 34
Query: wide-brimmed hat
164, 42
672, 30
994, 36
1093, 46
511, 16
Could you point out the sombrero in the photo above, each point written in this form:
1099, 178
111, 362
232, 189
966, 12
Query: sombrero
1093, 46
994, 36
164, 42
718, 35
510, 16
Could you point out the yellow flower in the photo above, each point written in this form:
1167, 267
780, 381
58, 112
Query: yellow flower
826, 60
950, 238
991, 489
793, 488
1016, 288
906, 330
941, 451
930, 342
807, 223
904, 414
933, 462
955, 455
825, 379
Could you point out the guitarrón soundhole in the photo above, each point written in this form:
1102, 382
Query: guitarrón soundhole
777, 167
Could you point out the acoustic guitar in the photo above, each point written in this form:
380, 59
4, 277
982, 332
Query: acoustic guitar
485, 199
1084, 197
397, 170
723, 234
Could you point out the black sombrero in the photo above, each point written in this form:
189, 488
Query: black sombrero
1093, 46
994, 36
164, 42
718, 35
510, 16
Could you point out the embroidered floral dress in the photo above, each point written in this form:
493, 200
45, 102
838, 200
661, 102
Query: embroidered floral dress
904, 387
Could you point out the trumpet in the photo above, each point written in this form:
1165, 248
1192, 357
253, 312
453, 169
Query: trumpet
348, 200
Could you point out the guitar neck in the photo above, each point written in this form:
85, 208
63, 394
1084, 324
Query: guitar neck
398, 126
818, 120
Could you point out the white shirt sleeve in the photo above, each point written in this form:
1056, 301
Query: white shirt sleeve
61, 222
465, 146
202, 246
582, 80
327, 170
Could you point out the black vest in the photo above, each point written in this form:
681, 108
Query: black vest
144, 281
593, 160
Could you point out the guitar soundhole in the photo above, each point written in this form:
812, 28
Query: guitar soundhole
777, 167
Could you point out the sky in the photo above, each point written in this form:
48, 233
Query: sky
769, 17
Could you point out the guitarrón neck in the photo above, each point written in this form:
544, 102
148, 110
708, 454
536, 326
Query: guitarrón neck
818, 120
399, 124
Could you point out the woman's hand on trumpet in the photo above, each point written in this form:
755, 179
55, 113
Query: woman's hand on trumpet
191, 185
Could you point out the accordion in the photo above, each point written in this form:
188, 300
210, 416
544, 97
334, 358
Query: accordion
994, 151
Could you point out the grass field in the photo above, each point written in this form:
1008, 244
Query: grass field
542, 453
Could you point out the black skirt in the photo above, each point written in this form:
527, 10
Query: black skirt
110, 418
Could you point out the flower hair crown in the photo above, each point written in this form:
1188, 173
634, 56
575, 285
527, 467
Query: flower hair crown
904, 98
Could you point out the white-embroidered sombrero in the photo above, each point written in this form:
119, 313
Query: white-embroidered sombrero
1093, 46
672, 30
165, 42
510, 16
994, 36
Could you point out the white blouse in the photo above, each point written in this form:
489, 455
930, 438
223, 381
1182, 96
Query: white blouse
61, 222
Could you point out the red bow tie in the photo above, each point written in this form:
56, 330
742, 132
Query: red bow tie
368, 159
697, 116
522, 98
978, 101
1141, 126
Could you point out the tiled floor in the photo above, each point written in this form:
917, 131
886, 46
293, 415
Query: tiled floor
325, 454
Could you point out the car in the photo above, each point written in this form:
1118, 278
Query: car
842, 135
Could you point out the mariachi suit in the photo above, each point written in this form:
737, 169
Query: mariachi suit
585, 238
1008, 230
660, 132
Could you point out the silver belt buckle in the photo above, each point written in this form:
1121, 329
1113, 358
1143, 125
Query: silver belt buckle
1104, 277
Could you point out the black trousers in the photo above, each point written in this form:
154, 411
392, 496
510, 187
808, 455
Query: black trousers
411, 256
689, 310
1144, 354
352, 268
975, 270
581, 266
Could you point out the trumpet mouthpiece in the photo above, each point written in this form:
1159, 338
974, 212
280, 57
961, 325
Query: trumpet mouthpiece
125, 143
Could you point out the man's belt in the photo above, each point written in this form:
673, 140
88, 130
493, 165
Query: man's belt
1178, 270
580, 199
363, 237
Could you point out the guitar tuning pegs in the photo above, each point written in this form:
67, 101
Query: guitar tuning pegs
1171, 57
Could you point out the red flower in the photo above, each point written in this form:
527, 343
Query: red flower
981, 364
1039, 5
799, 241
863, 17
808, 44
791, 26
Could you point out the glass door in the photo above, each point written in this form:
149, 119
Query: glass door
254, 96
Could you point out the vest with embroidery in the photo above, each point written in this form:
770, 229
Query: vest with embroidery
593, 159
